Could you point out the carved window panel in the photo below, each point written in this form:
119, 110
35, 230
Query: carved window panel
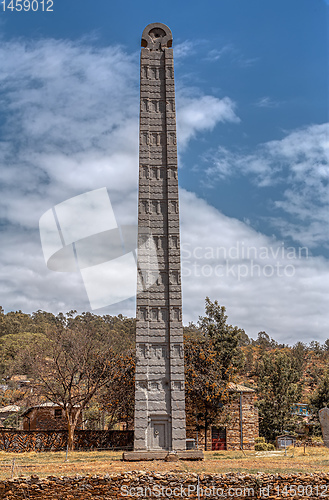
142, 239
153, 173
142, 314
162, 280
144, 72
176, 385
155, 314
173, 207
142, 351
172, 173
154, 206
152, 277
174, 278
153, 106
162, 243
144, 138
153, 73
174, 241
163, 207
175, 314
169, 72
172, 139
144, 105
177, 351
159, 106
144, 172
158, 351
164, 314
154, 385
153, 138
171, 106
144, 207
142, 385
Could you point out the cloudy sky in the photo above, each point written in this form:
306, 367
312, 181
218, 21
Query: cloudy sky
252, 117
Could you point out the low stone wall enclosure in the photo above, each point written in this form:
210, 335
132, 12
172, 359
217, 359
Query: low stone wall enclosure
144, 485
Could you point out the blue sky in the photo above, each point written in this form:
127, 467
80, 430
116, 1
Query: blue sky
252, 117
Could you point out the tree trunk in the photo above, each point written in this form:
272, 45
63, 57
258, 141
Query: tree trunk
205, 430
70, 434
71, 425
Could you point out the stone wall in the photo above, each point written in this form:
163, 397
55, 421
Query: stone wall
250, 428
21, 441
249, 423
137, 484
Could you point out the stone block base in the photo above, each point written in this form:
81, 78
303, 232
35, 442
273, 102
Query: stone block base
135, 456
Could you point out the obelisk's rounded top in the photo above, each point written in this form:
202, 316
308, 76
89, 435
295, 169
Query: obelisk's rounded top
156, 36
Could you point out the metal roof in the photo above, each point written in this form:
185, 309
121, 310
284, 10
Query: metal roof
10, 408
239, 388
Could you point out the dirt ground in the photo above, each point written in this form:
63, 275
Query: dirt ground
105, 462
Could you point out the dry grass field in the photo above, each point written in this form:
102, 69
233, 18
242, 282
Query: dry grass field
105, 462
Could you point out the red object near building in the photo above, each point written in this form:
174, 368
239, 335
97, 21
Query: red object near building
218, 438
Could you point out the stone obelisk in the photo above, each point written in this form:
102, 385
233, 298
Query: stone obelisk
159, 394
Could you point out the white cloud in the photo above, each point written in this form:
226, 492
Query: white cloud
263, 284
299, 163
185, 49
201, 114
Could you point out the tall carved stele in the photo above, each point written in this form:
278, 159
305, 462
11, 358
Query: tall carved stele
159, 394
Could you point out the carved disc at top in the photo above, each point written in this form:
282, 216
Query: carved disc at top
156, 36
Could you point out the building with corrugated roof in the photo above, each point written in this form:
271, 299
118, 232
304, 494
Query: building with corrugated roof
46, 417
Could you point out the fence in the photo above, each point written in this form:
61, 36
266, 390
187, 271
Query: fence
20, 441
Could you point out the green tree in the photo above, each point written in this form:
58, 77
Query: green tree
225, 339
320, 398
205, 391
118, 397
279, 388
14, 345
213, 357
70, 369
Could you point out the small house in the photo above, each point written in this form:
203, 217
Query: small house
46, 417
285, 441
7, 411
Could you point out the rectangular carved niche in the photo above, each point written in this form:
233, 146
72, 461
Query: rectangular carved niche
144, 172
177, 351
142, 351
174, 241
158, 351
174, 278
173, 206
176, 385
142, 314
172, 173
175, 314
